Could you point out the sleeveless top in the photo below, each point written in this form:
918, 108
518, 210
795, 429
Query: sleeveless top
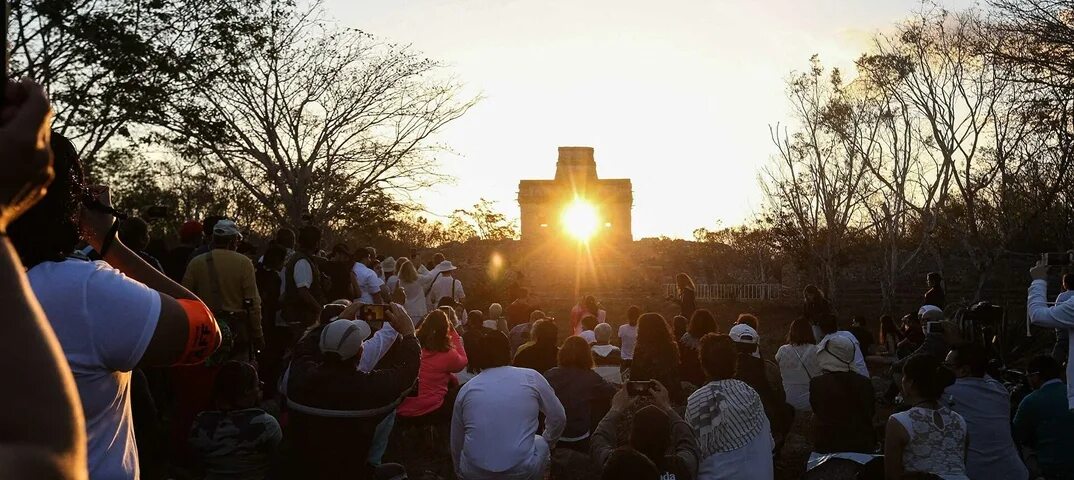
934, 449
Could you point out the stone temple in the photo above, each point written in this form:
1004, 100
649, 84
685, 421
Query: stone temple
543, 202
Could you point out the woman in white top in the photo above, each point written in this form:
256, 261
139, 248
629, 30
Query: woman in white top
628, 335
929, 437
411, 284
798, 364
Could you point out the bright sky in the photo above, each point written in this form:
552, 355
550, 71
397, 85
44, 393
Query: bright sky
675, 95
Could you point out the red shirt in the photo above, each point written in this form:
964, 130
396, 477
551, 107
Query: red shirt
436, 373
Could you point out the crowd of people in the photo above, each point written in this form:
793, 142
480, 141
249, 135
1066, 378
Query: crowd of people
293, 361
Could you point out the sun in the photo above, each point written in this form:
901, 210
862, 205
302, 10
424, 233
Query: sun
580, 220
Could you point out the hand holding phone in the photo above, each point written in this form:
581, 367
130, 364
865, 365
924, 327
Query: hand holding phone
638, 388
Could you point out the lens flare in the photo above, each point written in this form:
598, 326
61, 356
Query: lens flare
580, 220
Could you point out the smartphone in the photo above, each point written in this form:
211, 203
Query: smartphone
373, 313
933, 327
635, 389
1056, 259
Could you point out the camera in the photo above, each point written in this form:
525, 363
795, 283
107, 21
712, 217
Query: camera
1056, 259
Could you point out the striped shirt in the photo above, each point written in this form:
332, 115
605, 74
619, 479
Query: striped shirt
725, 415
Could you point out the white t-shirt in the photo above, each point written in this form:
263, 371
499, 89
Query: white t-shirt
798, 365
303, 274
368, 282
415, 300
442, 287
104, 322
628, 337
589, 336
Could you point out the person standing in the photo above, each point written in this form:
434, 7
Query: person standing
176, 259
494, 426
1062, 336
414, 289
1044, 422
985, 404
935, 296
518, 312
657, 356
303, 291
588, 306
228, 282
685, 295
109, 316
814, 308
370, 285
445, 285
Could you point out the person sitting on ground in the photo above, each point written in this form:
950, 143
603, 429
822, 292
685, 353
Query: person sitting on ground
539, 354
607, 359
829, 327
912, 335
678, 326
235, 439
940, 335
1044, 421
625, 463
495, 420
929, 438
587, 306
627, 337
520, 309
701, 324
751, 369
589, 322
44, 434
109, 316
985, 404
858, 328
656, 430
657, 356
887, 349
475, 321
495, 319
520, 334
842, 401
335, 408
226, 279
798, 364
442, 354
728, 419
578, 388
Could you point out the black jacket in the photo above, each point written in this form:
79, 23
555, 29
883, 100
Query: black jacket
843, 405
335, 409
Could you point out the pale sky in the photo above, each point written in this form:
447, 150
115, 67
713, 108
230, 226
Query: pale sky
675, 95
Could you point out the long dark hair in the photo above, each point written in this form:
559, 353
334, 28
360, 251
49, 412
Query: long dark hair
800, 332
575, 353
654, 338
928, 376
684, 282
887, 327
589, 303
701, 323
49, 231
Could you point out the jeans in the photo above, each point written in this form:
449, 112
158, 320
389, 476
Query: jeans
380, 439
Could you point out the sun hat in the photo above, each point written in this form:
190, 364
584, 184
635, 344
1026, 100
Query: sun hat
743, 333
445, 266
388, 265
226, 228
344, 337
836, 355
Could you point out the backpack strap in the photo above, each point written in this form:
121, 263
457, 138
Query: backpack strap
214, 285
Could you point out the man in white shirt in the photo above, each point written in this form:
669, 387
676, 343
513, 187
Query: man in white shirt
369, 283
495, 420
445, 285
1062, 337
829, 327
1059, 316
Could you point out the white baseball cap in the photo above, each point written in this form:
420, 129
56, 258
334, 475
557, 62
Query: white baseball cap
743, 333
930, 313
344, 337
226, 228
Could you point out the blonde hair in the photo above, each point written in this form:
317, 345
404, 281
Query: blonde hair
406, 270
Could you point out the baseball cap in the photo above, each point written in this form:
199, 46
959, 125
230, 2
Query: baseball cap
930, 313
344, 337
743, 333
226, 228
388, 265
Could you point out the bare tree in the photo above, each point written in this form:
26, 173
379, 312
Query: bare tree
316, 119
815, 183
